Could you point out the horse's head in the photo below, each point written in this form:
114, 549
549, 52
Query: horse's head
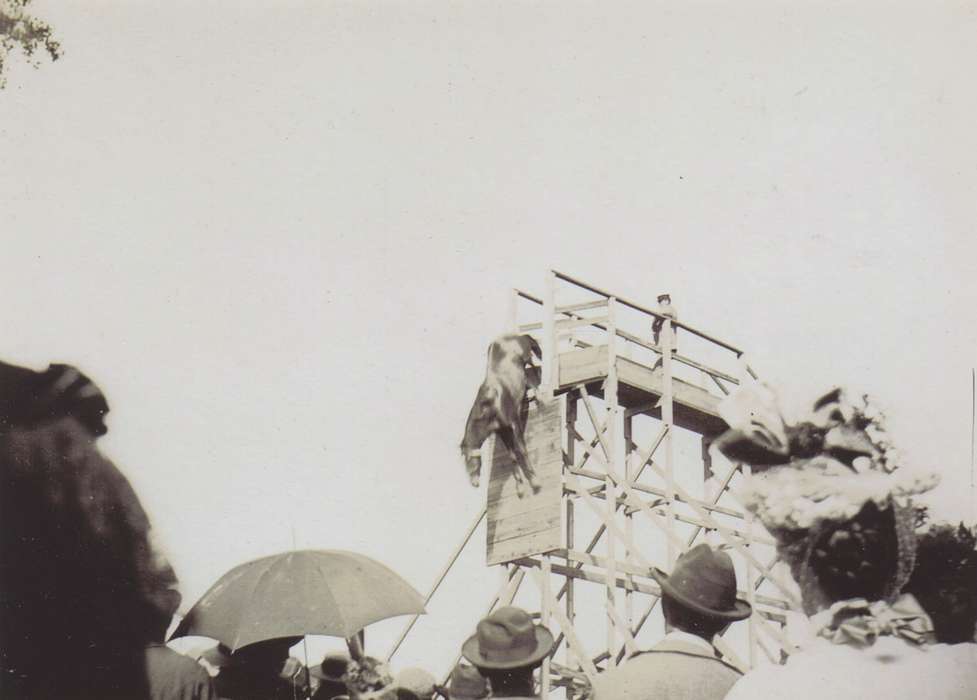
483, 420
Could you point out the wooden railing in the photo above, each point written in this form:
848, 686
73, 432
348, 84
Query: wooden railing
576, 319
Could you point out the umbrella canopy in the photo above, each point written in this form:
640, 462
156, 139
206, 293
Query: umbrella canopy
325, 592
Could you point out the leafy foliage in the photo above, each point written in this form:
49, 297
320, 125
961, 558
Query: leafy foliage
20, 30
945, 580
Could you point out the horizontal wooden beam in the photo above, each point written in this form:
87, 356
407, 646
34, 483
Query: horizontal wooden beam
571, 323
593, 576
585, 306
630, 337
772, 608
662, 493
740, 536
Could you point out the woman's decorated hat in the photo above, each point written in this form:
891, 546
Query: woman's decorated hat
810, 476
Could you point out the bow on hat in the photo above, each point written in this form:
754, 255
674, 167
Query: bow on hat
859, 623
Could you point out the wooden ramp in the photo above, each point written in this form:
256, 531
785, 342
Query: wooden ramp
640, 385
519, 527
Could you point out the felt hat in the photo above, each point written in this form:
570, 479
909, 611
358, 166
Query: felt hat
704, 582
416, 681
466, 683
507, 639
332, 668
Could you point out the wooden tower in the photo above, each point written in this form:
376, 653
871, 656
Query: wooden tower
619, 439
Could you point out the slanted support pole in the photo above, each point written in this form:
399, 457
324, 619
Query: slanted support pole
628, 524
512, 317
546, 595
571, 421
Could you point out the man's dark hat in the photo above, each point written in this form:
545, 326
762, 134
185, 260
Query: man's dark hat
508, 639
332, 668
664, 296
704, 582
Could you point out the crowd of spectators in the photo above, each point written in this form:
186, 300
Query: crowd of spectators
894, 609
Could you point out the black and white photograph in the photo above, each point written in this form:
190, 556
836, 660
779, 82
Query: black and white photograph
488, 349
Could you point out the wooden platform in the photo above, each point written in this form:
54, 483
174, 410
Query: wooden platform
520, 527
639, 385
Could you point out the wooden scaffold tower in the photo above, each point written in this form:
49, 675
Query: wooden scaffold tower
619, 439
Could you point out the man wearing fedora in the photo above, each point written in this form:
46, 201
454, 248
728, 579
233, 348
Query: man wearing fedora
506, 648
698, 602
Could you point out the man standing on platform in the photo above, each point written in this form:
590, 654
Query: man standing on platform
699, 602
665, 308
506, 648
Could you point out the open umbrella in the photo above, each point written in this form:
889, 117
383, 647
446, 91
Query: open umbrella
327, 592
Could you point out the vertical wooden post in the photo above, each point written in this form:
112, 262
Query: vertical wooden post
571, 421
667, 418
548, 344
610, 489
544, 680
628, 524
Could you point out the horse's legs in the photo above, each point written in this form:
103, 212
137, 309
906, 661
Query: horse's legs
508, 436
521, 452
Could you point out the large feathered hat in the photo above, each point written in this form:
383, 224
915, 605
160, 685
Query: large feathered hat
836, 466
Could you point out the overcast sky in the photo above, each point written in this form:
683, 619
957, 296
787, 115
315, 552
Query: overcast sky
281, 235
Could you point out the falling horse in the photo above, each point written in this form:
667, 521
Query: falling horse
502, 406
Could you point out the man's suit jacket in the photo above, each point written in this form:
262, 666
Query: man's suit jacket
671, 670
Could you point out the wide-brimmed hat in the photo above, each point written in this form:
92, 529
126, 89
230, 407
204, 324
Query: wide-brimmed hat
704, 582
332, 668
466, 683
835, 467
508, 639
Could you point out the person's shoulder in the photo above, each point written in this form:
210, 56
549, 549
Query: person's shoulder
687, 654
159, 656
761, 683
645, 669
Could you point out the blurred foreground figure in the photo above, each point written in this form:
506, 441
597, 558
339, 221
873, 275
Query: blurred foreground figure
82, 592
842, 515
84, 598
